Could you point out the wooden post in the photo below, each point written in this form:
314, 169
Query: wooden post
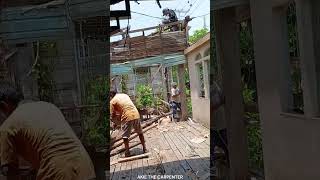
307, 39
267, 75
227, 34
282, 52
183, 96
165, 95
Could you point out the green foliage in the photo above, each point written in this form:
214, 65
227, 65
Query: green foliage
42, 72
247, 57
96, 133
189, 107
144, 96
123, 84
197, 35
255, 143
247, 95
292, 31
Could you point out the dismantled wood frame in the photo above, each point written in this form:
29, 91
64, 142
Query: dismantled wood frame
158, 43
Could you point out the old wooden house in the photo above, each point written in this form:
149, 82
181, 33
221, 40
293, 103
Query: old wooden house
66, 38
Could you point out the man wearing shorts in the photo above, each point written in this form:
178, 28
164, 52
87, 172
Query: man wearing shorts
125, 114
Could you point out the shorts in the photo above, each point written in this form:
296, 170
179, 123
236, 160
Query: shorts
127, 127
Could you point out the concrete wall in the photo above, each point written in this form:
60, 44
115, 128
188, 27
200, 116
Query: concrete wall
291, 142
200, 106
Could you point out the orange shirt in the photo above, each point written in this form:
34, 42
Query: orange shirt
38, 132
122, 106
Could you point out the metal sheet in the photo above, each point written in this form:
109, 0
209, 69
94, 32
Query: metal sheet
166, 60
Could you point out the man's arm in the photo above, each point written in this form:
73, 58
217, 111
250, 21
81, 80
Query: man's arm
9, 159
174, 94
114, 117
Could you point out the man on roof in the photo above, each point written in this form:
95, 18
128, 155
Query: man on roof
171, 17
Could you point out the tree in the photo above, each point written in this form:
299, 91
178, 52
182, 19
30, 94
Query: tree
198, 34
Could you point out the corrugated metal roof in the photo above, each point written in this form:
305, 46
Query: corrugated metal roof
166, 60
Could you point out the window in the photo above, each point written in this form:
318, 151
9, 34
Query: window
206, 52
296, 105
198, 57
200, 74
202, 71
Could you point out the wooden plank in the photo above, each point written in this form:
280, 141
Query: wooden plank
196, 132
150, 28
74, 2
126, 173
137, 169
89, 9
116, 174
112, 169
171, 162
10, 14
178, 154
32, 36
181, 147
201, 164
220, 4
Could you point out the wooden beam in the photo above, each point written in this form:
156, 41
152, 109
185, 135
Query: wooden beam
132, 158
124, 149
147, 128
182, 87
228, 50
307, 47
153, 27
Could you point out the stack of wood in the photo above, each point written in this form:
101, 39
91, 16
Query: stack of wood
146, 126
148, 46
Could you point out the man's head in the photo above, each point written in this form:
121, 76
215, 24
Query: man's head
165, 11
174, 85
112, 93
9, 98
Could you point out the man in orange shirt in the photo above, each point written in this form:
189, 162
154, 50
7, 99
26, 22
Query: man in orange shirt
125, 114
39, 133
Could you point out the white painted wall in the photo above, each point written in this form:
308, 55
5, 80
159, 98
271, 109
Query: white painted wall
291, 143
200, 106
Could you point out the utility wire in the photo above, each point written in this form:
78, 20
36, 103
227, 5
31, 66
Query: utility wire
201, 15
147, 15
196, 8
183, 6
194, 2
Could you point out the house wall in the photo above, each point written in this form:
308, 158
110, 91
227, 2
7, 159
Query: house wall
291, 143
200, 105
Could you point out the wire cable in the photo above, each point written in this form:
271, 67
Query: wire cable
196, 8
191, 5
147, 15
201, 15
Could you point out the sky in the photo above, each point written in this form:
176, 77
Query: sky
150, 8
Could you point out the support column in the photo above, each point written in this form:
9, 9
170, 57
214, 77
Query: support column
307, 56
282, 56
182, 87
265, 31
227, 33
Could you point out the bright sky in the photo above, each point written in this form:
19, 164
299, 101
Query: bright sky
150, 8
